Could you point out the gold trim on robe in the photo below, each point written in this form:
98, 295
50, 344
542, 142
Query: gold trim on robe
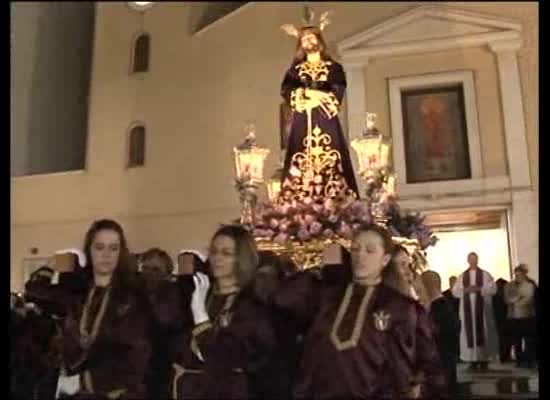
360, 318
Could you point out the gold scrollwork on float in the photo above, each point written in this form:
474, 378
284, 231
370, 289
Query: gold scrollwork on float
315, 171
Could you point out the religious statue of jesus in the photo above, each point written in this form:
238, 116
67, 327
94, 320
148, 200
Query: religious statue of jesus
317, 164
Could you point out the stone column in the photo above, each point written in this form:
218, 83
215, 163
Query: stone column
356, 108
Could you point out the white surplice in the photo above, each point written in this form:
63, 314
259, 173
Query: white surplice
490, 349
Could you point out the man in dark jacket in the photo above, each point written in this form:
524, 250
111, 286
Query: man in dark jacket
455, 304
446, 325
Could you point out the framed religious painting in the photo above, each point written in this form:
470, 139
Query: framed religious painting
285, 118
435, 133
436, 128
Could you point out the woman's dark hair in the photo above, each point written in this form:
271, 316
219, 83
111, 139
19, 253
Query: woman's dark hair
123, 273
247, 254
156, 252
392, 276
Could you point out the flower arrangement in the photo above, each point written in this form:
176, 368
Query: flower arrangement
308, 219
410, 225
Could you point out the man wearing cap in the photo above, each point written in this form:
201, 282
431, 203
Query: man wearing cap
520, 297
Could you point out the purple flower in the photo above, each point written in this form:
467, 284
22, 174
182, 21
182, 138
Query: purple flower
303, 234
328, 233
259, 232
315, 228
366, 218
333, 218
282, 208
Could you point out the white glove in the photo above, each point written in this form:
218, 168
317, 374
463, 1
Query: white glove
67, 385
198, 299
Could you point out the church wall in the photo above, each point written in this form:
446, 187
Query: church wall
194, 101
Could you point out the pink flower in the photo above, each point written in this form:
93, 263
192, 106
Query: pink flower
309, 219
317, 208
344, 231
282, 208
281, 238
329, 205
298, 219
307, 200
273, 223
315, 228
333, 218
283, 227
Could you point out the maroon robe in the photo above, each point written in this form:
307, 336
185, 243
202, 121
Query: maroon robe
393, 349
115, 362
229, 356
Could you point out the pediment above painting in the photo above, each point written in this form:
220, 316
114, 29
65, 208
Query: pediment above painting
433, 27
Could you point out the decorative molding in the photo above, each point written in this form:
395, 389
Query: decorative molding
505, 45
453, 187
444, 19
512, 111
427, 46
445, 203
396, 85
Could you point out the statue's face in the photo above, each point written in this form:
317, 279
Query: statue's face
310, 43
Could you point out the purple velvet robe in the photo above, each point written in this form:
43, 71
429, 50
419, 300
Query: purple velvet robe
394, 349
333, 172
